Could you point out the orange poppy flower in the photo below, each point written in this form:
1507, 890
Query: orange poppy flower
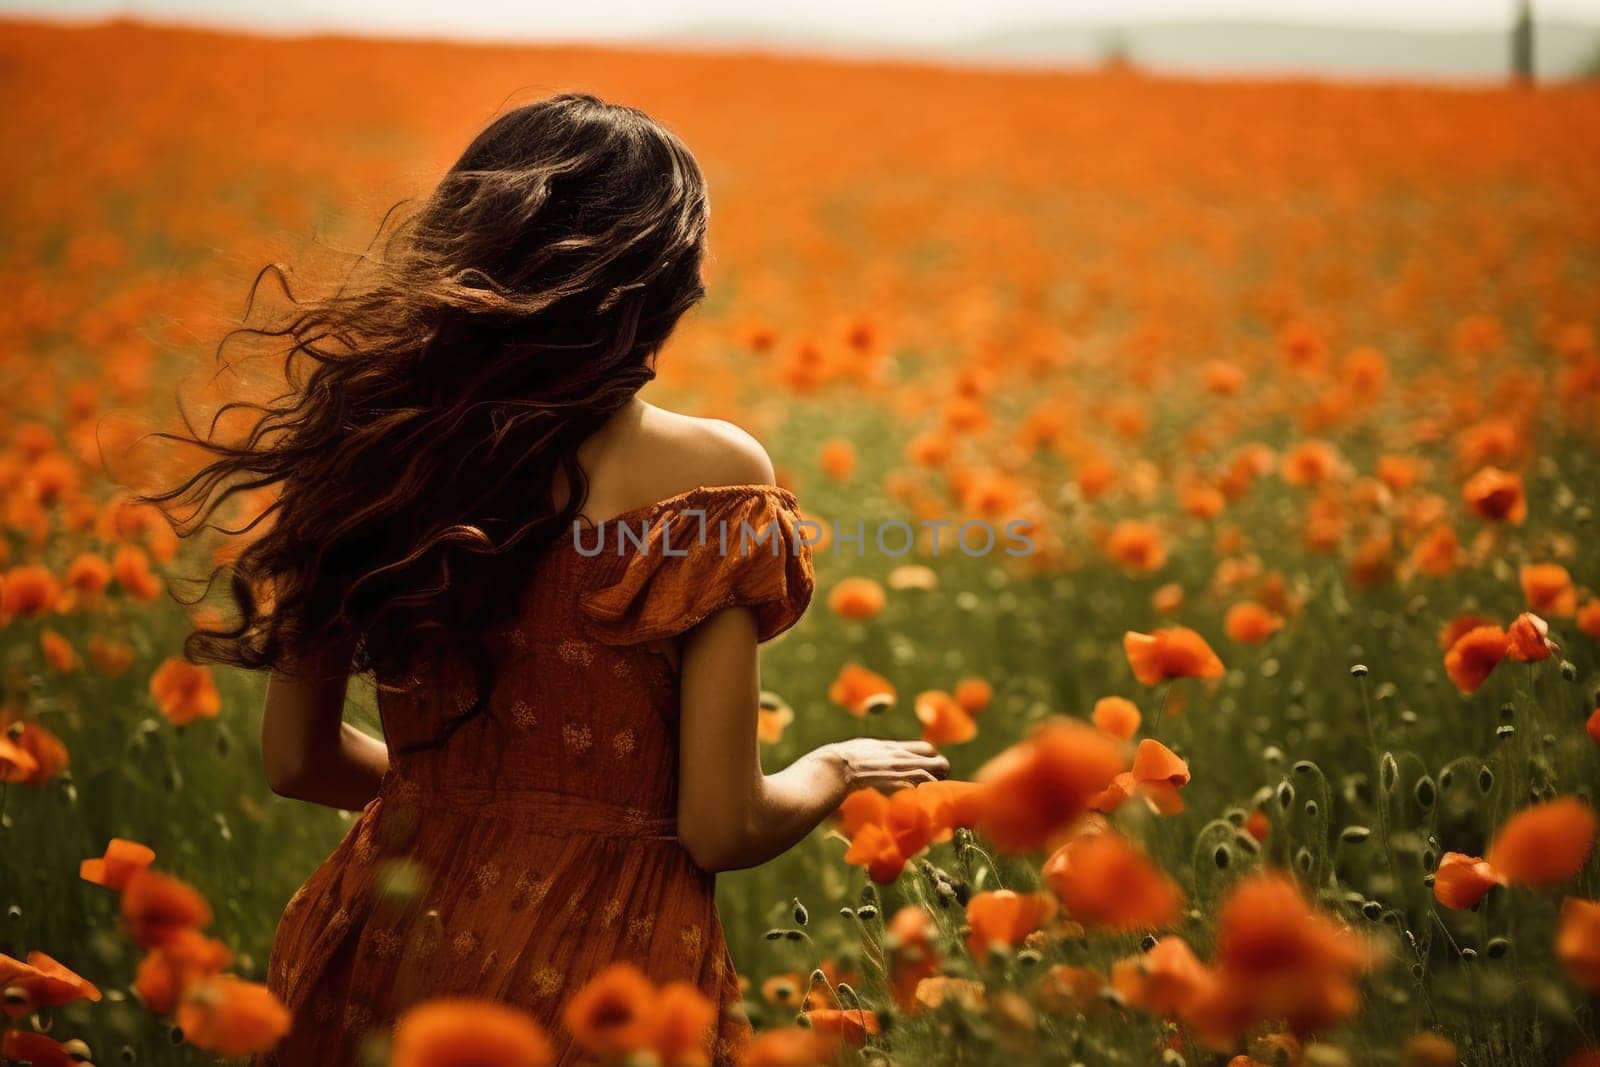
1250, 623
610, 1015
1137, 546
16, 764
680, 1025
974, 694
1593, 726
232, 1017
1257, 825
167, 971
1496, 495
39, 1050
838, 459
929, 450
790, 1046
1399, 473
185, 691
1167, 599
771, 720
1546, 844
859, 691
938, 989
783, 990
1589, 618
1096, 477
131, 566
853, 1025
58, 652
47, 752
861, 807
1103, 880
1039, 787
1475, 655
41, 982
1430, 1050
157, 908
856, 598
1203, 501
1461, 880
1578, 941
944, 722
1001, 919
110, 658
1529, 639
1117, 716
1548, 589
909, 939
1311, 463
28, 592
1222, 378
1170, 652
950, 805
1065, 988
88, 574
1453, 630
886, 832
466, 1033
1438, 554
1157, 775
1285, 960
1164, 980
122, 860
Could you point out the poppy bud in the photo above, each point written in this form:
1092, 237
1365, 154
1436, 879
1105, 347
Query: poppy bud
800, 915
1497, 948
847, 912
867, 912
1355, 835
1358, 670
1389, 771
78, 1050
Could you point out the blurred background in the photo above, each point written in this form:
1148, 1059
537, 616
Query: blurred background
1451, 39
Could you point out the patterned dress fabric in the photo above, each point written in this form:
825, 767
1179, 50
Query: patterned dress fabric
536, 845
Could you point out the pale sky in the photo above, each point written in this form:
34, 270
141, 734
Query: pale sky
907, 23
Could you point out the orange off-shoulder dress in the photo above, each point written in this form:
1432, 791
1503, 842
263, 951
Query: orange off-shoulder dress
537, 844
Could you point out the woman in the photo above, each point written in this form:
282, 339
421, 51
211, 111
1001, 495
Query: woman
569, 749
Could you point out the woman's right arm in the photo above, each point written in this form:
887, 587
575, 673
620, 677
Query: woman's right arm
730, 814
307, 749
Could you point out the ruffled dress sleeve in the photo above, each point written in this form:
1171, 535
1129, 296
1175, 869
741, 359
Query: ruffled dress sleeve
660, 572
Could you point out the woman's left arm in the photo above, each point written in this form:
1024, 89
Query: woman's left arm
309, 752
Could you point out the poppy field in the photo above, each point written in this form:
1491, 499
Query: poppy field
1279, 745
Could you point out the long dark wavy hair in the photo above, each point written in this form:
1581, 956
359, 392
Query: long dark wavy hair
424, 447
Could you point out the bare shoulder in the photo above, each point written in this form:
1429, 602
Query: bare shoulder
696, 452
648, 454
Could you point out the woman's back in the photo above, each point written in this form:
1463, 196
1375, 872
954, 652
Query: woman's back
542, 828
